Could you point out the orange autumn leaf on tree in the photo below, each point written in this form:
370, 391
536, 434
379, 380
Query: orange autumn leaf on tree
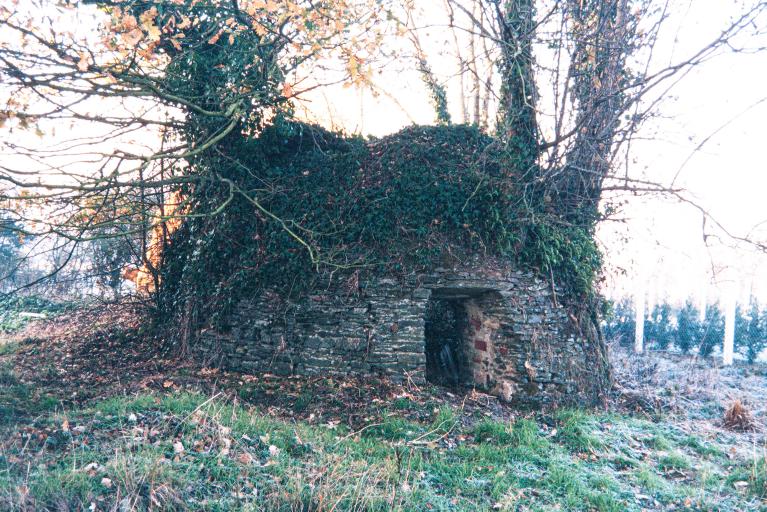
132, 38
82, 64
216, 37
186, 22
171, 218
152, 31
127, 23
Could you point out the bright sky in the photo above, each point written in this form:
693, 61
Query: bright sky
725, 99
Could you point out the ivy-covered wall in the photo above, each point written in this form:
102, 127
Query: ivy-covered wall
519, 342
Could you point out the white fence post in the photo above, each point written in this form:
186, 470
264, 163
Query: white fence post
728, 350
639, 305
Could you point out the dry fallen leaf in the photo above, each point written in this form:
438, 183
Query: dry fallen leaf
226, 445
738, 418
245, 458
91, 468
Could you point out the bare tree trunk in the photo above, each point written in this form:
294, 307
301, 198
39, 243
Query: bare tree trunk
463, 66
728, 345
486, 102
462, 69
639, 315
488, 65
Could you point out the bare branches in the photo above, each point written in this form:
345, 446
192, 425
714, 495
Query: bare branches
151, 91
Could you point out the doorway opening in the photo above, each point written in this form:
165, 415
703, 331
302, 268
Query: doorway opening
445, 329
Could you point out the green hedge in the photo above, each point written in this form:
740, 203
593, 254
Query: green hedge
11, 307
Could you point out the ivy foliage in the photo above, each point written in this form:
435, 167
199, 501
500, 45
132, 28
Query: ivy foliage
302, 202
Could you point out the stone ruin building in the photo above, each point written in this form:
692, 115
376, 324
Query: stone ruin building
487, 326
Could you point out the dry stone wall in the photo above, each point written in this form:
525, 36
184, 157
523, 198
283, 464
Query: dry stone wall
519, 342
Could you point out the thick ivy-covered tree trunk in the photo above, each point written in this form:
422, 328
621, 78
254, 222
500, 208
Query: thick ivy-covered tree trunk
601, 32
517, 124
565, 199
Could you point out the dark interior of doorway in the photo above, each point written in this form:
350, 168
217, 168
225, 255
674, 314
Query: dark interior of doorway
445, 327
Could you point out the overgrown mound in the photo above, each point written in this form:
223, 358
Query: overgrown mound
299, 201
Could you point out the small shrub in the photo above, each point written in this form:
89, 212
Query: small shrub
12, 307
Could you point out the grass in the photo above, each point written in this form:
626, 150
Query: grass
757, 478
674, 460
702, 447
8, 347
190, 451
18, 398
577, 430
489, 431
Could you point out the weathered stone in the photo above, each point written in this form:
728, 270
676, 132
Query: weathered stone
518, 342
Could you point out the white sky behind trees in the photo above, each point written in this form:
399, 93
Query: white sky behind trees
725, 99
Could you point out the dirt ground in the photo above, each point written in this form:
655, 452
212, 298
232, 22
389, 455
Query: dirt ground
104, 351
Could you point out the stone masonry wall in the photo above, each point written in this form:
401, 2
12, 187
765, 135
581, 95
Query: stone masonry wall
519, 342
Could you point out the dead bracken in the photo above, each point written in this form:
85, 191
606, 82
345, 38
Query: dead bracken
739, 418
